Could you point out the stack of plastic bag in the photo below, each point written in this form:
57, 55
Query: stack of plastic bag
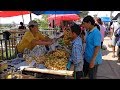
32, 56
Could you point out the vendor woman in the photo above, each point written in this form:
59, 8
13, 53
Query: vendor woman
32, 38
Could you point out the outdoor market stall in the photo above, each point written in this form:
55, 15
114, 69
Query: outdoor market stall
49, 63
46, 64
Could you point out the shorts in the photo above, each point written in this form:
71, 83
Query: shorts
79, 66
114, 41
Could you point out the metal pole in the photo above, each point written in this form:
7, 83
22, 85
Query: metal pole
6, 49
22, 18
55, 24
55, 17
30, 16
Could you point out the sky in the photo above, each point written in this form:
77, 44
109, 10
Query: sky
18, 19
103, 13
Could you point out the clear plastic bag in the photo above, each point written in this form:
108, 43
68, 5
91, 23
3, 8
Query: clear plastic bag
39, 50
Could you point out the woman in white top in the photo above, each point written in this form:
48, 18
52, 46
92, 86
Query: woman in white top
115, 26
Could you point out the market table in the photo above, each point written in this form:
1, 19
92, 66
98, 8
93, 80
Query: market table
40, 70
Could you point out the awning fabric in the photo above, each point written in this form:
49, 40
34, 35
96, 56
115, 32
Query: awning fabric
106, 19
12, 13
64, 17
115, 18
55, 12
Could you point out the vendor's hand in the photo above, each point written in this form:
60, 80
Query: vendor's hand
92, 64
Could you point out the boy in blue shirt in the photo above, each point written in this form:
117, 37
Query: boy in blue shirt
76, 57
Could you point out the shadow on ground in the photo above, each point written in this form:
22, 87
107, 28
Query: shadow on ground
108, 70
105, 52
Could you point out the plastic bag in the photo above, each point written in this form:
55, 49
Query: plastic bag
39, 50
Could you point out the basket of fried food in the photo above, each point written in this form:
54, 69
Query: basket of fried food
57, 60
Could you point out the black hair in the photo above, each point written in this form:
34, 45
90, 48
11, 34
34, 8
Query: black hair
31, 26
76, 29
97, 26
88, 19
111, 23
99, 21
21, 23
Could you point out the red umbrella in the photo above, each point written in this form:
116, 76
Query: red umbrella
64, 17
61, 17
12, 13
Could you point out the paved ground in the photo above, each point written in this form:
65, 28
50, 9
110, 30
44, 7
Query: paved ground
109, 69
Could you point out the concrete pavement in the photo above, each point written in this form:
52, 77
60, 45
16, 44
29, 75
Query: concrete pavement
109, 69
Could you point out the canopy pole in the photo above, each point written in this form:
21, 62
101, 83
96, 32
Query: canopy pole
30, 16
55, 24
23, 18
55, 18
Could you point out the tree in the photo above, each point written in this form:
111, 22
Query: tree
95, 16
43, 23
83, 14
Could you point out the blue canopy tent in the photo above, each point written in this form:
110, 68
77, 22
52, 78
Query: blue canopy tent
55, 12
106, 19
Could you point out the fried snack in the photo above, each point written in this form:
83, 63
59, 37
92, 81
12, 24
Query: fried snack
67, 37
40, 59
57, 60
